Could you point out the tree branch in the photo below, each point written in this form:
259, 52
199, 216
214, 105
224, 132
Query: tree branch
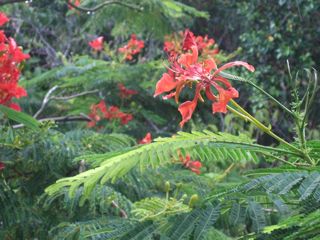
45, 101
4, 2
75, 95
79, 118
48, 98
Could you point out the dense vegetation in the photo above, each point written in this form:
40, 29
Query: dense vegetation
159, 119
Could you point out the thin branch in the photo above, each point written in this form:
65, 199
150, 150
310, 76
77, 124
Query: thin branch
48, 98
123, 213
75, 95
80, 118
101, 5
45, 101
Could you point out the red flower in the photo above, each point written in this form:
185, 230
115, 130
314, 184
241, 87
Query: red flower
133, 47
100, 111
147, 139
3, 19
125, 92
2, 166
194, 166
187, 69
10, 58
97, 44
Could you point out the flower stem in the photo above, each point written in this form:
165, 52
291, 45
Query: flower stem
262, 127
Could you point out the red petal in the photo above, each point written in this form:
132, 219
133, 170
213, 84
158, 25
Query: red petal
3, 19
102, 106
223, 80
189, 40
210, 64
165, 84
224, 98
236, 63
15, 106
20, 92
147, 139
188, 59
126, 118
97, 44
186, 109
195, 170
195, 164
210, 95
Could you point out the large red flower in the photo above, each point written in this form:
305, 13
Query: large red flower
187, 68
133, 47
97, 44
10, 58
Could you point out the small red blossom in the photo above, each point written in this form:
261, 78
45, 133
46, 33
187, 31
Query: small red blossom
101, 111
10, 58
187, 69
147, 139
2, 166
97, 44
133, 47
125, 92
194, 166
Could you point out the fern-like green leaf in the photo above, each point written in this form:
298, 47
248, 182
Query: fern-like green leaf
162, 152
207, 219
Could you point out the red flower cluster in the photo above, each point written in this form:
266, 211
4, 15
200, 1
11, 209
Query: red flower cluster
133, 47
2, 166
194, 166
147, 139
97, 44
10, 58
186, 68
100, 111
206, 46
125, 92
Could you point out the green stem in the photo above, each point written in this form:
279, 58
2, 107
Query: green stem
246, 116
261, 126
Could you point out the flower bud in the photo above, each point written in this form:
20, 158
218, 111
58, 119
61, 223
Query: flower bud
167, 186
194, 198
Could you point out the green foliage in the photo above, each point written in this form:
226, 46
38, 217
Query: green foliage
20, 117
207, 146
64, 181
